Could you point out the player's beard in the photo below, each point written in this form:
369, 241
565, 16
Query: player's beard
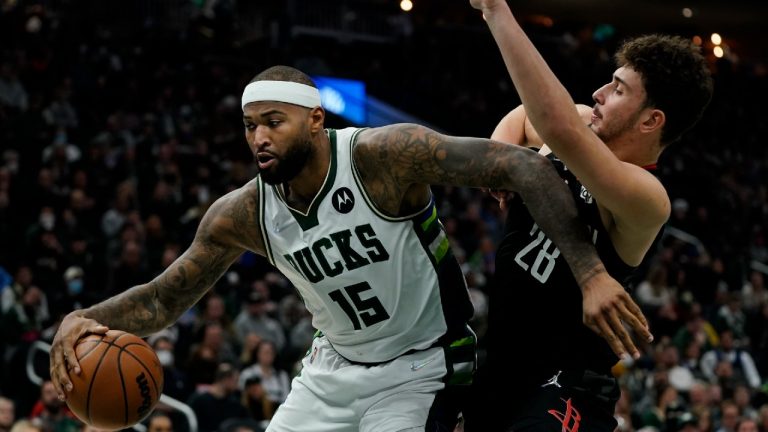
609, 132
290, 164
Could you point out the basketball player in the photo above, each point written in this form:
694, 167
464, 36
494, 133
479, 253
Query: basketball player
658, 92
348, 216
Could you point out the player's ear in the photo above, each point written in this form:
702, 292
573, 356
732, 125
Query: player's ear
316, 119
654, 119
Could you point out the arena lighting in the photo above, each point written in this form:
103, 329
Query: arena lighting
716, 39
687, 12
406, 5
718, 51
344, 97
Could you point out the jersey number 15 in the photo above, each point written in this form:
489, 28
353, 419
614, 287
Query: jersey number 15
369, 310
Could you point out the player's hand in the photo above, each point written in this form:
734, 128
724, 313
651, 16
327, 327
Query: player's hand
607, 306
486, 5
63, 359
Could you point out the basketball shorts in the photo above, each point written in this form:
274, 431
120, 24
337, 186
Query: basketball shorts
570, 402
419, 391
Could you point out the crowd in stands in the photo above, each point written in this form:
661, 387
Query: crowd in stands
116, 136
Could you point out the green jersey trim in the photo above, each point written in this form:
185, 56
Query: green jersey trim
309, 220
262, 216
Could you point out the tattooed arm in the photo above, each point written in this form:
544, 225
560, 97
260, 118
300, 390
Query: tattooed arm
399, 162
228, 228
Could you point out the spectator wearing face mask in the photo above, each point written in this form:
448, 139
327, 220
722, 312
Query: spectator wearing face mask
176, 384
74, 295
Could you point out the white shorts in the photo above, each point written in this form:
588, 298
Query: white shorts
406, 394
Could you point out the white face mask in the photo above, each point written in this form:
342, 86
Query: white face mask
165, 357
47, 221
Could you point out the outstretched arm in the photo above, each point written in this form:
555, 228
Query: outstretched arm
406, 156
636, 201
150, 307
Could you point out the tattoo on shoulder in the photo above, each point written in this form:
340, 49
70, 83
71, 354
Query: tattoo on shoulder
405, 154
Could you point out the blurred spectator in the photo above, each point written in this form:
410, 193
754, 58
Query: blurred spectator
159, 422
667, 400
762, 418
275, 381
254, 319
7, 414
696, 329
260, 407
214, 312
729, 417
74, 296
25, 425
754, 293
692, 360
211, 350
747, 425
730, 364
217, 402
175, 382
742, 397
26, 319
61, 113
117, 215
731, 316
654, 293
53, 412
294, 316
679, 377
624, 414
130, 270
248, 351
758, 337
12, 92
13, 292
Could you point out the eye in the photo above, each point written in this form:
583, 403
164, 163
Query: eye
274, 123
250, 126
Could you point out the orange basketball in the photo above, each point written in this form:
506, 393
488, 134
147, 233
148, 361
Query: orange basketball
120, 382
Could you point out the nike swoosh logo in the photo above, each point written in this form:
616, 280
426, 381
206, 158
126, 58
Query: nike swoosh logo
416, 366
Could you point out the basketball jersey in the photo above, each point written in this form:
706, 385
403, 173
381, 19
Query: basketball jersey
376, 286
536, 304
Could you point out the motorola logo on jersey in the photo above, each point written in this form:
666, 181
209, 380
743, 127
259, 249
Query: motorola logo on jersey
343, 200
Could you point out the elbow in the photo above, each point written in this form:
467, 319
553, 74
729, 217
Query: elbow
530, 172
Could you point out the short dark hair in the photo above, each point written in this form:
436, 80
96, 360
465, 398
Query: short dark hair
284, 73
224, 371
676, 77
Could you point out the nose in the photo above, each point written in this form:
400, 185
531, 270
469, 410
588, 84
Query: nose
258, 137
597, 96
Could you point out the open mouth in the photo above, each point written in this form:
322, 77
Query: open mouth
265, 160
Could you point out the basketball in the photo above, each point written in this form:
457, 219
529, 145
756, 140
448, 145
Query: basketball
120, 382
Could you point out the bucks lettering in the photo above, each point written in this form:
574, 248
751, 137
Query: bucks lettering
313, 263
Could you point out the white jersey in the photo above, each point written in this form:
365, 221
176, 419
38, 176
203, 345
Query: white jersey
376, 286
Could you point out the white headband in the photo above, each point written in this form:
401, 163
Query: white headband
281, 91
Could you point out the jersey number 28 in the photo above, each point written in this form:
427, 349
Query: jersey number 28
545, 260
